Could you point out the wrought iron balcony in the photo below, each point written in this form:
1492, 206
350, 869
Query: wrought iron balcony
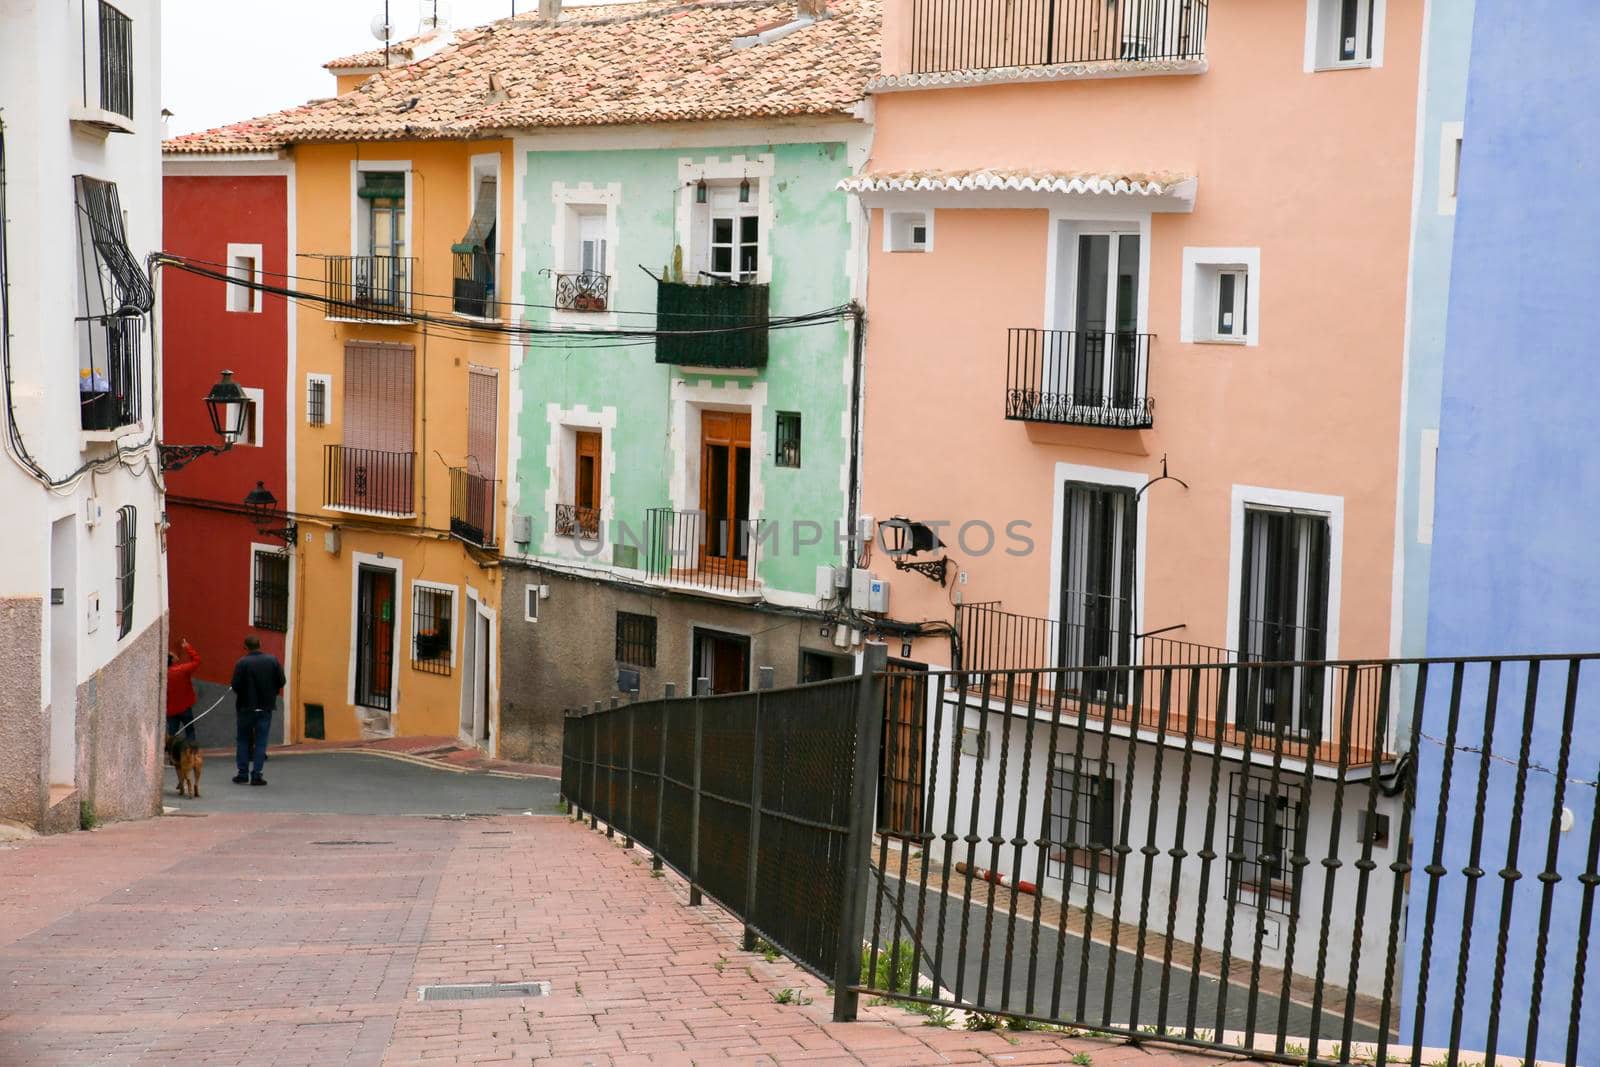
472, 507
476, 284
720, 324
369, 288
368, 480
1079, 378
108, 389
951, 35
584, 290
573, 521
116, 61
720, 555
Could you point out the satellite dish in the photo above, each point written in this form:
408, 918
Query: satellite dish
381, 29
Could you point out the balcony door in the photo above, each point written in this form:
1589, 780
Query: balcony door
375, 633
1097, 588
1283, 617
725, 491
1103, 361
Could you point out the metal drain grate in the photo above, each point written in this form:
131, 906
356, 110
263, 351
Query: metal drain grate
483, 991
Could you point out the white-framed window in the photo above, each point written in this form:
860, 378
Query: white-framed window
733, 234
244, 263
318, 388
908, 231
433, 630
269, 588
1221, 297
1344, 33
584, 241
530, 602
1450, 140
725, 218
255, 419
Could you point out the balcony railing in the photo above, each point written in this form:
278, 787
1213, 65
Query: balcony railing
476, 284
949, 35
1080, 378
575, 521
108, 389
720, 324
1275, 705
366, 479
116, 61
369, 288
585, 290
472, 507
685, 547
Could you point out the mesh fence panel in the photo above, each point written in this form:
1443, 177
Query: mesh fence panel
727, 730
646, 771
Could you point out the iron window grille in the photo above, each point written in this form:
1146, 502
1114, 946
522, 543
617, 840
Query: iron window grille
1264, 830
1082, 821
114, 296
127, 554
116, 61
636, 639
317, 402
584, 290
432, 613
904, 772
787, 453
269, 604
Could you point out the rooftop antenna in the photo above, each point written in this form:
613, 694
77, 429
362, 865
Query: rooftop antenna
383, 30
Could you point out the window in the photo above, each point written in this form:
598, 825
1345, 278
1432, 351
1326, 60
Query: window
581, 517
1450, 139
475, 256
903, 775
269, 590
1097, 568
1344, 33
127, 537
1105, 364
113, 297
116, 61
531, 595
585, 247
1083, 821
733, 233
723, 659
1221, 294
432, 627
244, 263
725, 490
373, 469
254, 419
787, 453
1283, 617
821, 666
317, 386
636, 639
908, 231
1266, 831
381, 273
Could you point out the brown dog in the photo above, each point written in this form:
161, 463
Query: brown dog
186, 758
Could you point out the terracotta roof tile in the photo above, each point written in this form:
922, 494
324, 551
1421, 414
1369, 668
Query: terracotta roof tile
655, 61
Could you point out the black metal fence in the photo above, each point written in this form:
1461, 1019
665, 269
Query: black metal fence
709, 553
116, 61
367, 479
472, 507
1040, 861
108, 389
369, 288
475, 284
949, 35
584, 290
1079, 377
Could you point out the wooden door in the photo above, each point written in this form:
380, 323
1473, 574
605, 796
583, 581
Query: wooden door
725, 490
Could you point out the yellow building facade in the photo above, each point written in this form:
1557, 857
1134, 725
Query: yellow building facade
398, 463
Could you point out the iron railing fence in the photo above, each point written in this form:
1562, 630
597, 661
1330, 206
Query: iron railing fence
116, 61
368, 288
583, 290
108, 389
760, 799
472, 507
1079, 377
367, 479
950, 35
717, 554
1290, 702
575, 521
1033, 866
475, 284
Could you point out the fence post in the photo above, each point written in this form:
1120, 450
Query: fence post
701, 687
611, 769
594, 747
858, 843
764, 682
669, 693
627, 835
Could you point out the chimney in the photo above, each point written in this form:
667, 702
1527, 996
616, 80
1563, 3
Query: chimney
549, 10
817, 9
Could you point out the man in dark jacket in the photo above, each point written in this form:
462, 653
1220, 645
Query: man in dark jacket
257, 681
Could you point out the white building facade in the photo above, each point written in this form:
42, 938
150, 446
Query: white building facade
82, 573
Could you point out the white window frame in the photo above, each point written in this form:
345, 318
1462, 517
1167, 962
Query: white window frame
1198, 306
257, 549
1251, 496
240, 294
693, 221
1322, 43
572, 203
530, 602
256, 401
402, 604
899, 227
358, 228
561, 459
455, 618
326, 381
1450, 146
736, 244
1067, 473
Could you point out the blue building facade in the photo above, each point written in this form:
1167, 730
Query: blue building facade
1516, 522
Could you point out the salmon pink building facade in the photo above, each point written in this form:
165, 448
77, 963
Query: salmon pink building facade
1136, 313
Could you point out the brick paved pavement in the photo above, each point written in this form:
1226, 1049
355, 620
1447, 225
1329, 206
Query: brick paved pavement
287, 939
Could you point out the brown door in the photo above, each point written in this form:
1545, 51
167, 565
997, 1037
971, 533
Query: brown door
375, 630
586, 483
904, 725
722, 658
725, 490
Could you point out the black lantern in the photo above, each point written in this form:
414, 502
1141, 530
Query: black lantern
744, 191
700, 192
262, 507
228, 407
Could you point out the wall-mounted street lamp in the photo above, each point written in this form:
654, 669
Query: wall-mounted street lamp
263, 509
228, 407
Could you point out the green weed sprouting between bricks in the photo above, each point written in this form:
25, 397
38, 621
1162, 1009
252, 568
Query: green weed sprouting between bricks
791, 996
981, 1021
86, 816
768, 950
893, 974
1081, 1059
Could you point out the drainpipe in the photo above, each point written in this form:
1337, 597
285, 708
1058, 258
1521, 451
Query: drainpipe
858, 345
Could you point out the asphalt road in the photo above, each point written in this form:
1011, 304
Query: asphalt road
352, 783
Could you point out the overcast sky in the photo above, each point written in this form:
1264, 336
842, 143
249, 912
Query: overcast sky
226, 60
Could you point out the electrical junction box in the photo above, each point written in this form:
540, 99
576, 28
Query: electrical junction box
824, 582
522, 529
868, 592
330, 542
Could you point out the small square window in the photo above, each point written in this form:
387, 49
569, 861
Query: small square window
1221, 296
1345, 32
1232, 303
530, 602
636, 639
908, 231
269, 594
432, 629
317, 399
244, 265
787, 452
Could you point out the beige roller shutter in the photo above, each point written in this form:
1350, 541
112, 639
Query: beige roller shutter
483, 401
379, 396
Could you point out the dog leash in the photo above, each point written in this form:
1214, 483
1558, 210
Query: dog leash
208, 711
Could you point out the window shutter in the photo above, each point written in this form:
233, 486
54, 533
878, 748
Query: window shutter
382, 185
483, 390
379, 396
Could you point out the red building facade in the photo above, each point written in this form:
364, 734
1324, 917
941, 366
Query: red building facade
227, 579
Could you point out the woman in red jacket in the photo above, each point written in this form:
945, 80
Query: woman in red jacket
180, 690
